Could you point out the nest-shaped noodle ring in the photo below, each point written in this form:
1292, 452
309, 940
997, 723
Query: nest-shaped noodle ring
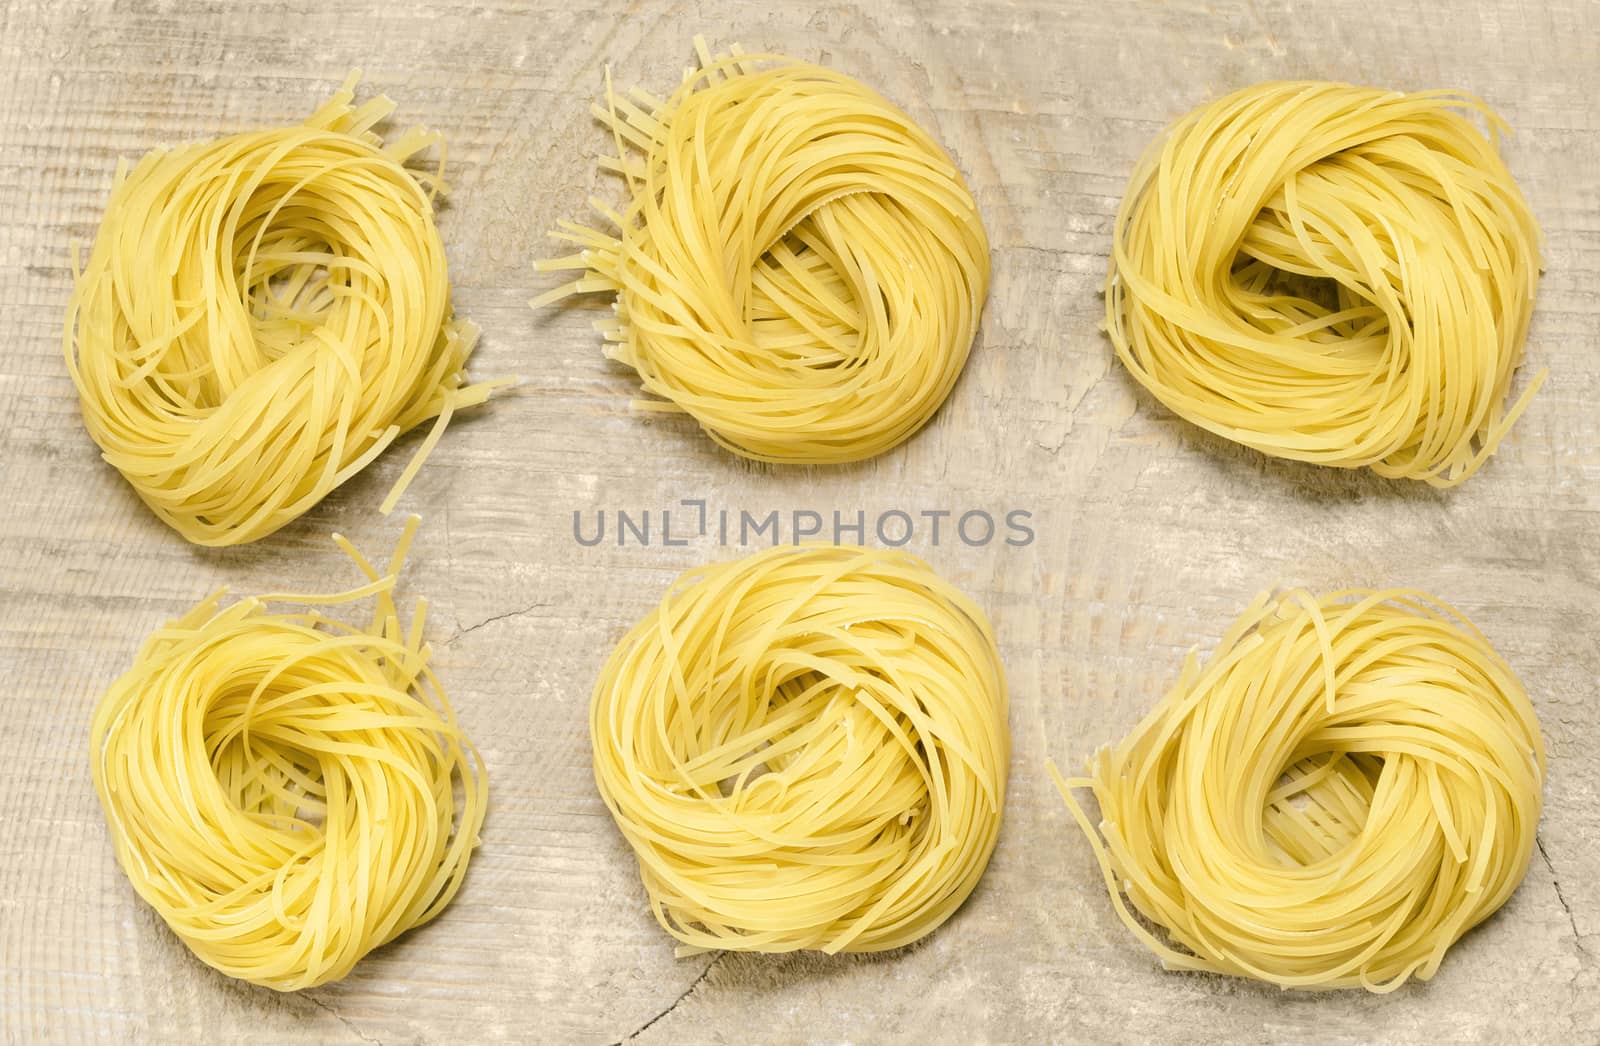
806, 749
1334, 274
799, 267
1346, 788
287, 792
262, 315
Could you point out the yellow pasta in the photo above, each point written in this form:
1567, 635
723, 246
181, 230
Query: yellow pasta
1334, 274
288, 792
262, 315
799, 267
806, 749
1349, 785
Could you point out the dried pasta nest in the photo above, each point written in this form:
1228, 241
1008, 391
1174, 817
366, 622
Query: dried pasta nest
288, 792
806, 749
1349, 785
799, 267
262, 315
1334, 274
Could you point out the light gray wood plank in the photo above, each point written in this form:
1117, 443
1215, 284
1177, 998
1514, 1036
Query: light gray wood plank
1151, 536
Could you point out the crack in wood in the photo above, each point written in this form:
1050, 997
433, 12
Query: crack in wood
694, 984
1561, 898
492, 618
342, 1019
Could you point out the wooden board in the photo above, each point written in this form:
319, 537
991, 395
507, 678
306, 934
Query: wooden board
1150, 535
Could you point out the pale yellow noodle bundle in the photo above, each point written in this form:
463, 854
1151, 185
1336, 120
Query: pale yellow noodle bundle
1346, 788
286, 791
806, 749
799, 267
1335, 274
262, 315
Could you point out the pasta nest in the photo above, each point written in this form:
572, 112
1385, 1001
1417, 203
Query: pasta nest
799, 266
806, 749
287, 792
1333, 274
1348, 786
262, 315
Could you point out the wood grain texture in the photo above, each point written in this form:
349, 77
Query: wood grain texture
1151, 535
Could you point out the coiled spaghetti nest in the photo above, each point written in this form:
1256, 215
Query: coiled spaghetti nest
1348, 786
806, 749
287, 792
799, 267
263, 314
1334, 274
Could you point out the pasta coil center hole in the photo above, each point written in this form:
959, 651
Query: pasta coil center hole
820, 734
1320, 804
1278, 287
262, 761
817, 301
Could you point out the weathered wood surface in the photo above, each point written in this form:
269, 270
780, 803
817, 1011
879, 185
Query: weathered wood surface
1151, 536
